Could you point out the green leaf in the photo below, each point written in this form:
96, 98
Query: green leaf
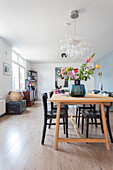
91, 71
85, 78
85, 72
88, 76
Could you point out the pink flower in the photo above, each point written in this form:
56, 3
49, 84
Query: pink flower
69, 73
74, 77
77, 77
88, 59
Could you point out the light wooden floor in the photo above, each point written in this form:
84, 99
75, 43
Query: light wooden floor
20, 147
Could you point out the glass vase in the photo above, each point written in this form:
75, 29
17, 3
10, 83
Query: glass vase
77, 89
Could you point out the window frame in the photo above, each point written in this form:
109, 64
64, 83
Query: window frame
19, 65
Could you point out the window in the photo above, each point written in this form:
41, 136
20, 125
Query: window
18, 72
22, 80
15, 76
14, 57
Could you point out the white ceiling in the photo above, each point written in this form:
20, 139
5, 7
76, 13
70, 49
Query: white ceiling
34, 27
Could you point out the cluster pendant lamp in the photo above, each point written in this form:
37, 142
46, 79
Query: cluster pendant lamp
73, 45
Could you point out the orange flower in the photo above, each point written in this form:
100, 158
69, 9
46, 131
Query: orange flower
97, 66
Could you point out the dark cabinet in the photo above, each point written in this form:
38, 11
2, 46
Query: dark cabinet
29, 96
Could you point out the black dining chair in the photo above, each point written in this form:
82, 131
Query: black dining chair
96, 114
49, 115
88, 114
108, 122
54, 109
80, 108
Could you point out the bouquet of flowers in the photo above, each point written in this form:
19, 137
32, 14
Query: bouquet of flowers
84, 73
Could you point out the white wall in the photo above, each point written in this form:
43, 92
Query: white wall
28, 67
46, 76
5, 56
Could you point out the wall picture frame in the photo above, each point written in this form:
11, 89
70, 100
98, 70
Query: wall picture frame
6, 69
60, 80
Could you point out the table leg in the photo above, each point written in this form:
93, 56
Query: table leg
105, 127
57, 126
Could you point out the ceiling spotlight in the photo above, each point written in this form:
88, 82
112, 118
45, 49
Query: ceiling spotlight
74, 14
63, 55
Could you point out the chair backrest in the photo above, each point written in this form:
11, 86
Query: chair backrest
44, 100
106, 107
51, 93
46, 95
107, 111
94, 91
89, 107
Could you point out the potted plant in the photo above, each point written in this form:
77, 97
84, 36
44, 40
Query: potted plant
83, 73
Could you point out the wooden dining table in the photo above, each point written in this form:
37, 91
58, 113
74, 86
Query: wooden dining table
66, 99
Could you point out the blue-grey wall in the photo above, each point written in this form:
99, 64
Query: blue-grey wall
106, 67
